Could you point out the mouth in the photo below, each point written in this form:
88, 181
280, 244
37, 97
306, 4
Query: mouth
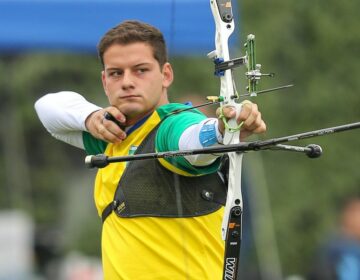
129, 96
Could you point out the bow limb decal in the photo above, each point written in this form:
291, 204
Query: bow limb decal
232, 219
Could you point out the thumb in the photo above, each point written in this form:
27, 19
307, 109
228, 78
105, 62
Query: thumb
221, 125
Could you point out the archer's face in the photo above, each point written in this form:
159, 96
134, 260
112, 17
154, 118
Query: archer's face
133, 80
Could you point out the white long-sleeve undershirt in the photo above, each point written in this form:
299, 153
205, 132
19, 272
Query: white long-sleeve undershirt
63, 114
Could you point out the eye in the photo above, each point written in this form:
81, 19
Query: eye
142, 70
115, 73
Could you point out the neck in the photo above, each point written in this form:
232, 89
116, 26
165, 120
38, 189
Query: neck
130, 121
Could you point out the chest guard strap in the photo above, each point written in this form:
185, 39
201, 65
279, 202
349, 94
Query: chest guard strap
146, 188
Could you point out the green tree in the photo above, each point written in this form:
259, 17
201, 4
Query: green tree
313, 45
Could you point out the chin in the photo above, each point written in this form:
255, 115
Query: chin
133, 112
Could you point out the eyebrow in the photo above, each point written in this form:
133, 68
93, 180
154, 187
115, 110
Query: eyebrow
134, 66
112, 69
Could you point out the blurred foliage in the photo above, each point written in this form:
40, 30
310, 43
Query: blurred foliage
313, 45
38, 169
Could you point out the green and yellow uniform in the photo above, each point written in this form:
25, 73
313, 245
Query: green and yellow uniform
156, 247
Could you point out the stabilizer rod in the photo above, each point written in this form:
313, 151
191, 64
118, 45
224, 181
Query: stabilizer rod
312, 151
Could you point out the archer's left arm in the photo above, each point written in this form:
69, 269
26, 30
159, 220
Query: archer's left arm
205, 132
210, 131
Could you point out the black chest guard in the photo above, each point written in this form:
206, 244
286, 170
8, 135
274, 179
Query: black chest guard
146, 188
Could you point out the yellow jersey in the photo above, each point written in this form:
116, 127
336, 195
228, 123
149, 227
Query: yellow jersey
155, 247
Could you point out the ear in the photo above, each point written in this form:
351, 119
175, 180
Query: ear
168, 75
103, 79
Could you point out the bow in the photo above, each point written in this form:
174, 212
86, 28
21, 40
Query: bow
231, 225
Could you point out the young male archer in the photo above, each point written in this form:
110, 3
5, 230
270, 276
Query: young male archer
156, 225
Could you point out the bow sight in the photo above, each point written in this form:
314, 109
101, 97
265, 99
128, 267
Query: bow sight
253, 73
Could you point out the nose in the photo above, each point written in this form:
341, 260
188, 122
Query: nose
127, 81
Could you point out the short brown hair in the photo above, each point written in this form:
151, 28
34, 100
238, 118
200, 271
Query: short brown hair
132, 31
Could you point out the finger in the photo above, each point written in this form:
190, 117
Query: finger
247, 109
114, 128
223, 114
251, 116
92, 122
109, 117
253, 121
107, 135
259, 125
116, 113
227, 111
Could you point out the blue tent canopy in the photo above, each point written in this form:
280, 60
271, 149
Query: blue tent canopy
77, 25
